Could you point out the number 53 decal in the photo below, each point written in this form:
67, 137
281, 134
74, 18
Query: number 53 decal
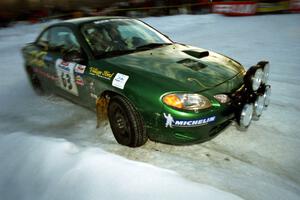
65, 72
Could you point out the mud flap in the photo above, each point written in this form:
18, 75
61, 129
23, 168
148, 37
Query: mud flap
101, 110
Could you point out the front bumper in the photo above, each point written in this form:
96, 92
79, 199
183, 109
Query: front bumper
193, 127
181, 127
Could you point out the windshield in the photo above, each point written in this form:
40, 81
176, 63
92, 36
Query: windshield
121, 36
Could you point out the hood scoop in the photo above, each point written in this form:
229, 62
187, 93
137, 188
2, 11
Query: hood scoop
192, 64
196, 54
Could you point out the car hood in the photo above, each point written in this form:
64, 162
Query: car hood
190, 66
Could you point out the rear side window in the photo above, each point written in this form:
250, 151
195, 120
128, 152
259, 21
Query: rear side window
43, 40
59, 39
63, 38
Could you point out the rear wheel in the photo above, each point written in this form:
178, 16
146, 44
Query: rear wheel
126, 123
35, 82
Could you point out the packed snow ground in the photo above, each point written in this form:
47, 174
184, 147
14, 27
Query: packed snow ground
50, 149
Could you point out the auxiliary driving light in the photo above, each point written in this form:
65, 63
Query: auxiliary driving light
257, 79
267, 96
266, 73
265, 65
259, 105
254, 77
246, 115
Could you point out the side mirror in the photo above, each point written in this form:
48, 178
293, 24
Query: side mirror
73, 56
43, 45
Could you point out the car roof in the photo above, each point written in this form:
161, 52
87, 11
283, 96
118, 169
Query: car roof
82, 20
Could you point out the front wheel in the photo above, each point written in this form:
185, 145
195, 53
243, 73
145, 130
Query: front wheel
126, 123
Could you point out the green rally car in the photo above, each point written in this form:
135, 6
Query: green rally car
147, 85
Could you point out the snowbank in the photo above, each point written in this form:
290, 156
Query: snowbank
41, 168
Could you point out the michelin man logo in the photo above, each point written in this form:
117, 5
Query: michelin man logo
171, 122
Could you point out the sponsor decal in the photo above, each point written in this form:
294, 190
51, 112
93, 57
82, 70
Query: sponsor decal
101, 21
64, 65
79, 80
36, 58
45, 74
171, 122
66, 76
106, 21
99, 73
79, 69
120, 80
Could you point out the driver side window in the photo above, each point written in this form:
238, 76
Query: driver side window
96, 38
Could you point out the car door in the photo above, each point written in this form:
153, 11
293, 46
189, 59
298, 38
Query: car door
61, 41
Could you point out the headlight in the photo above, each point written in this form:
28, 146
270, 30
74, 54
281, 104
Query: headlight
186, 101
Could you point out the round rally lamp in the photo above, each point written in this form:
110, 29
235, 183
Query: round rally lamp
265, 65
259, 105
267, 96
257, 79
266, 73
246, 115
253, 77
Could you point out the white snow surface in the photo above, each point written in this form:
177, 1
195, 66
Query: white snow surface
50, 148
40, 168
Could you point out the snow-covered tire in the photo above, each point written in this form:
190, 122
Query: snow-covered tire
126, 123
35, 81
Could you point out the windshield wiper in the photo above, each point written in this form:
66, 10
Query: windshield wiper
151, 46
106, 54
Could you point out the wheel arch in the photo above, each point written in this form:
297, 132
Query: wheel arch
102, 103
108, 94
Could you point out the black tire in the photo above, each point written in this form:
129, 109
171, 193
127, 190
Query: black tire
35, 82
126, 123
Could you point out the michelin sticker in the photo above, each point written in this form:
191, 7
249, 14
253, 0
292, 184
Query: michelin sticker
66, 78
120, 80
171, 122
